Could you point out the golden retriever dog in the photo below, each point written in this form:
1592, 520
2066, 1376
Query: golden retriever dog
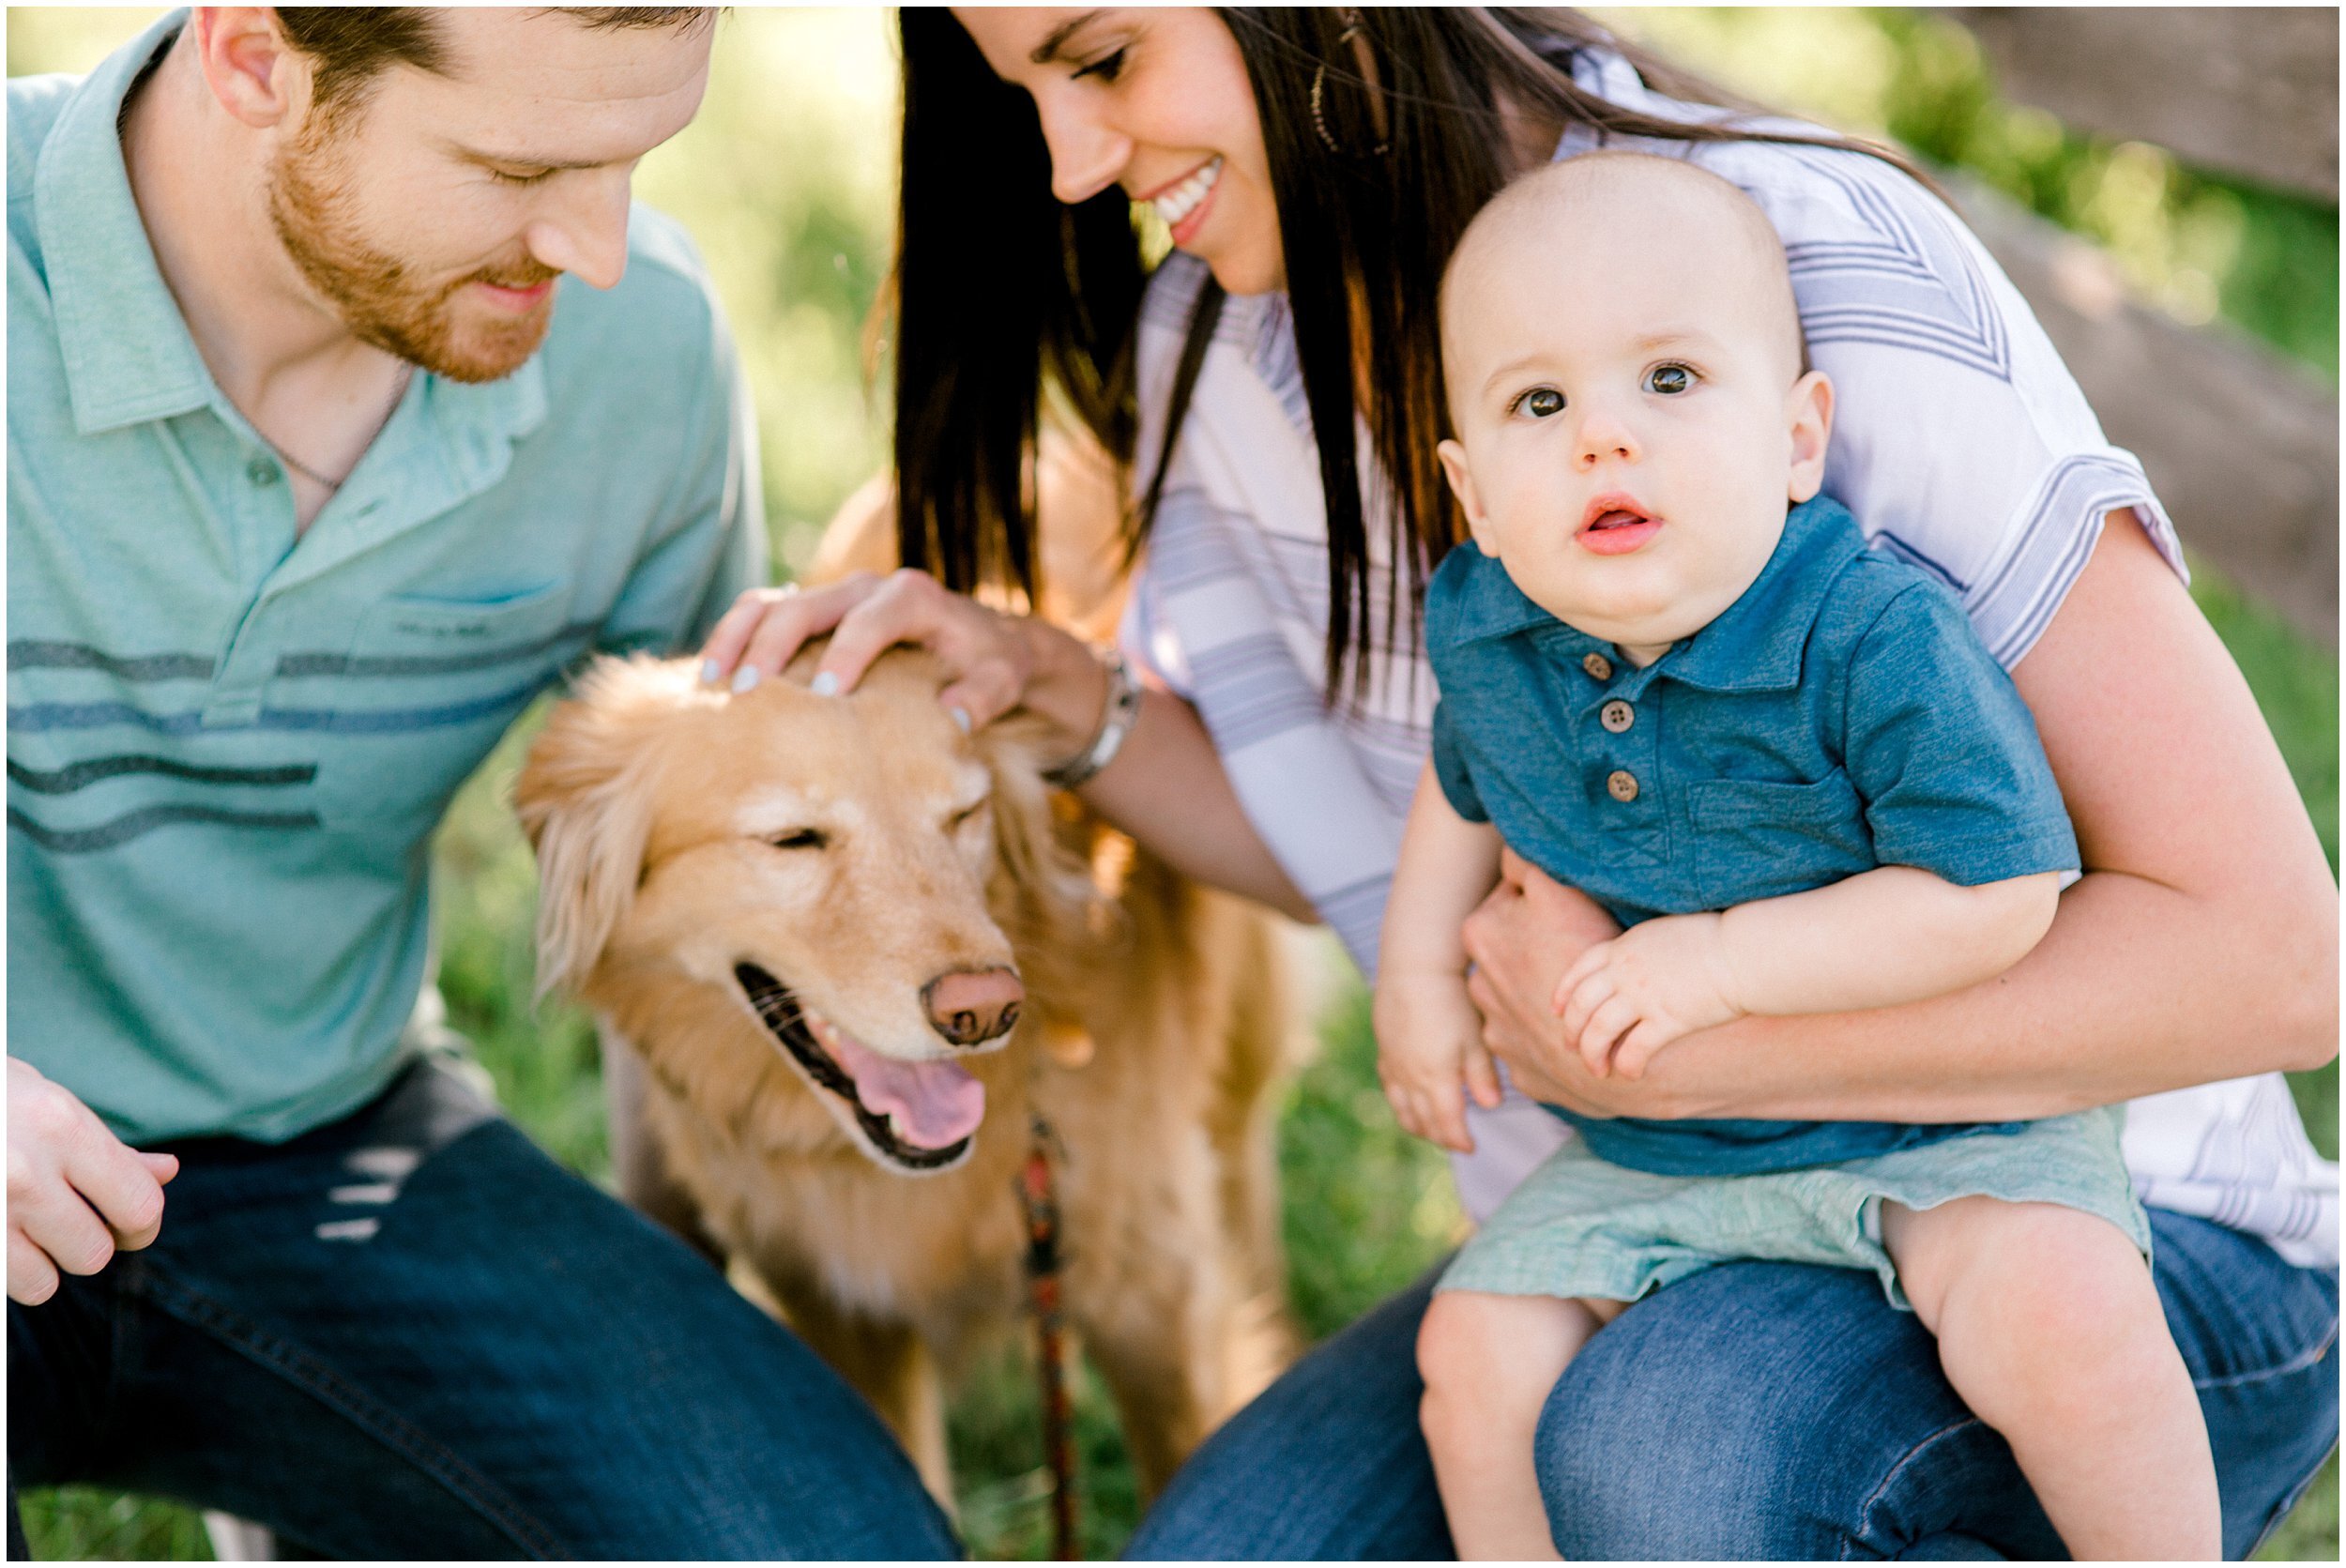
859, 954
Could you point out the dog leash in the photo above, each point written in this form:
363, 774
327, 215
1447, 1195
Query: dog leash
1039, 1198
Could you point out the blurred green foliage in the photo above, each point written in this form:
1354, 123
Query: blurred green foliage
786, 181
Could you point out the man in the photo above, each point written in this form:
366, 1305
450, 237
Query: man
319, 469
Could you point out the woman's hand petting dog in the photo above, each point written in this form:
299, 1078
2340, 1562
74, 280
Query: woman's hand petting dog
993, 661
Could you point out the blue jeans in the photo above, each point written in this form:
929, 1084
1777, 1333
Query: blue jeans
411, 1334
1756, 1410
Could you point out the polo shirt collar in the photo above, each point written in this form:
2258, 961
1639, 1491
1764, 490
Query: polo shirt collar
1754, 646
127, 352
129, 356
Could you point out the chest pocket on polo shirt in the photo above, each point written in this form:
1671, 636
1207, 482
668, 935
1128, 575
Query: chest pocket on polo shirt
422, 695
1761, 839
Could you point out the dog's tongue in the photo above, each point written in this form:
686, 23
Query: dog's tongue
933, 1103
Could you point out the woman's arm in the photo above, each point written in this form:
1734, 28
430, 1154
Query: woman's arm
2200, 944
1167, 788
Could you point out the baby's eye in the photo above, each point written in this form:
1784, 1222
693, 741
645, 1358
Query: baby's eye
1669, 380
1540, 403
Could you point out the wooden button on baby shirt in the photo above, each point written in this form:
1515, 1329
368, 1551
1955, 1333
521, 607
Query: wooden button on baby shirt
1622, 785
1617, 716
1597, 665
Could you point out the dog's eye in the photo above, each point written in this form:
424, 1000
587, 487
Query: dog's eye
962, 819
803, 838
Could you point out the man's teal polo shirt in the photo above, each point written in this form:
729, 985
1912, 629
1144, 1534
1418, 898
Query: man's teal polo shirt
1840, 715
228, 747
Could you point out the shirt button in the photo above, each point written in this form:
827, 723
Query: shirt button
1617, 716
1622, 785
1597, 665
261, 472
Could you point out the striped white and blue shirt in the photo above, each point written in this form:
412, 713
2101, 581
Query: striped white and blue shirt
1961, 442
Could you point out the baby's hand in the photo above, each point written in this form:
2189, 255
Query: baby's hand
1429, 1042
1624, 999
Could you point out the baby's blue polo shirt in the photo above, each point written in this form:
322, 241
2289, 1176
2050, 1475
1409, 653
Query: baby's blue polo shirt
1840, 715
228, 746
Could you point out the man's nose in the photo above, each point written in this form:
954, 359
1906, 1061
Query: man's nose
1087, 154
586, 233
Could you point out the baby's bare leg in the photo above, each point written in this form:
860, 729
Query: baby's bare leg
1488, 1362
2050, 1327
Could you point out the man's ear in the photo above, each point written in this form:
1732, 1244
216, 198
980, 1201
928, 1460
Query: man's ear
251, 70
1808, 410
1453, 465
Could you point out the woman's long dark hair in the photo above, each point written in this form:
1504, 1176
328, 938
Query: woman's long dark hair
1005, 298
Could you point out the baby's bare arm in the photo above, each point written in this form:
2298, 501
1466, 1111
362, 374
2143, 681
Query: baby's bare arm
1448, 865
1881, 938
1429, 1045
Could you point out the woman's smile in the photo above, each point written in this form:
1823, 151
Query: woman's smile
1183, 203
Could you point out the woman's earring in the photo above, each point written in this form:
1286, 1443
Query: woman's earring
1357, 37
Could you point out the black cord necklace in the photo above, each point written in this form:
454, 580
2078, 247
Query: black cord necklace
406, 373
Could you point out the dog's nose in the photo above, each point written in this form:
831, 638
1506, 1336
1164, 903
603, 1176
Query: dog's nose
971, 1006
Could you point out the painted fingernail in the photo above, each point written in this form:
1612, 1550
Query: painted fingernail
824, 685
745, 678
960, 717
710, 672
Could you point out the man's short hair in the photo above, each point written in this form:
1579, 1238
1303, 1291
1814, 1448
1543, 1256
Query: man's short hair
351, 45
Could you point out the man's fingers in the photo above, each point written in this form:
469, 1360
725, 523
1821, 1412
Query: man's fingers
31, 1278
117, 1183
161, 1166
57, 1222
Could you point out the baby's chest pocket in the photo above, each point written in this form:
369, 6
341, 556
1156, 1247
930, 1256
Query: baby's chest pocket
423, 693
1761, 839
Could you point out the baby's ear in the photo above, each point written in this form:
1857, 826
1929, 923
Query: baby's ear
1808, 411
1453, 464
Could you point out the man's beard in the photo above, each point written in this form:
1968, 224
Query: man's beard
376, 294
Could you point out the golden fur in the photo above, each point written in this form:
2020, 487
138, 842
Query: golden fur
1156, 1020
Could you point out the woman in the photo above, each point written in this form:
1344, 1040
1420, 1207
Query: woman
1313, 168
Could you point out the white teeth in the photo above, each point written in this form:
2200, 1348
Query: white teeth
1180, 201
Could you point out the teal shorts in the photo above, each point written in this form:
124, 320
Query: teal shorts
1581, 1226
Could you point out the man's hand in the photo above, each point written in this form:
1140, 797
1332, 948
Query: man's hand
1624, 1000
1430, 1055
77, 1194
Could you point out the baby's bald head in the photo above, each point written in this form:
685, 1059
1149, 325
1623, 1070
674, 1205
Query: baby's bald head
1584, 215
1624, 368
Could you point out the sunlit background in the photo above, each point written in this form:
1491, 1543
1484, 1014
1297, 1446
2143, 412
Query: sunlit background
786, 181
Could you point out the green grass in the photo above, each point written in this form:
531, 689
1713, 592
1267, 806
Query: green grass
786, 181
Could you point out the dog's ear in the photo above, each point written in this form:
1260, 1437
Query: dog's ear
585, 798
1054, 887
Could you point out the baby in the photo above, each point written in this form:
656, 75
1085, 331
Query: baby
1673, 677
